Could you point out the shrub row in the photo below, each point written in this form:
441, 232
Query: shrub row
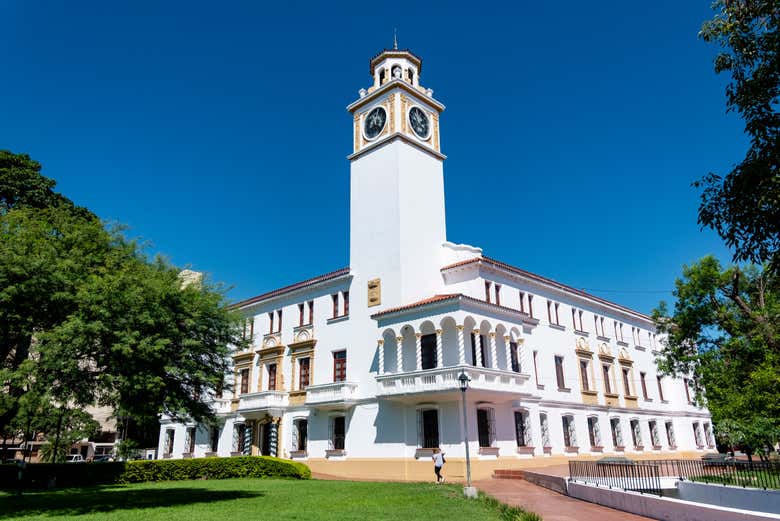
41, 475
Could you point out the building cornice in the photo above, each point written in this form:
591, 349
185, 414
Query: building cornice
396, 136
308, 284
452, 302
390, 85
527, 276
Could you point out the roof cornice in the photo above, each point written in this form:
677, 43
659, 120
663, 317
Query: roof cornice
333, 276
387, 87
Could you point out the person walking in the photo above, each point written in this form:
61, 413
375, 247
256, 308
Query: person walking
438, 463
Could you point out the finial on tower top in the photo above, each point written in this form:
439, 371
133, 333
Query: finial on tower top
395, 39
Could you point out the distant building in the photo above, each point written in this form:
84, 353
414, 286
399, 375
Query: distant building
355, 372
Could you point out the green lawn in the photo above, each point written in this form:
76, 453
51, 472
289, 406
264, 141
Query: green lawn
272, 499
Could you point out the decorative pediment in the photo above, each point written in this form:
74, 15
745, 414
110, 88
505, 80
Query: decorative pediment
582, 348
605, 353
624, 357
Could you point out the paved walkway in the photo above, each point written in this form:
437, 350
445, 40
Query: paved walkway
548, 504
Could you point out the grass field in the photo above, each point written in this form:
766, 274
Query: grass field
272, 499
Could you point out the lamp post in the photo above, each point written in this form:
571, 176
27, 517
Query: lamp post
464, 380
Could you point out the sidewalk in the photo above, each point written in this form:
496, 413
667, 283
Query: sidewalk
548, 504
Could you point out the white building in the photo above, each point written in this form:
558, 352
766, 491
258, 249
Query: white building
355, 372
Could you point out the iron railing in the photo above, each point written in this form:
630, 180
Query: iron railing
645, 476
627, 475
741, 473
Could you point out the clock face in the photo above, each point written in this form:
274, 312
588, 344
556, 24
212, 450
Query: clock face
420, 122
375, 122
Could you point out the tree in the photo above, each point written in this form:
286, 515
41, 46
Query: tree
744, 206
725, 333
87, 318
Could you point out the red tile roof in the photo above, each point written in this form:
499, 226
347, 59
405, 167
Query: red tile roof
430, 300
543, 280
293, 287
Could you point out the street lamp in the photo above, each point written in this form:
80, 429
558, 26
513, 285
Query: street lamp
464, 380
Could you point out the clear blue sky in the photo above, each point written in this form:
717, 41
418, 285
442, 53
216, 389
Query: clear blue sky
218, 132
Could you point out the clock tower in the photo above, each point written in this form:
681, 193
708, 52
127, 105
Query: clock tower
397, 218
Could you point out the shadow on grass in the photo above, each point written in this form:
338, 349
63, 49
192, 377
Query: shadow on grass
107, 499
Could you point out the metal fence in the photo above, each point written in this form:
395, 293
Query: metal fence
645, 476
629, 475
741, 473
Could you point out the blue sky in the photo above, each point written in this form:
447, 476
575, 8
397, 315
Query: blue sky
218, 131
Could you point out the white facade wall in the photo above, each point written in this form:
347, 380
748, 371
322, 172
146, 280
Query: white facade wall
397, 235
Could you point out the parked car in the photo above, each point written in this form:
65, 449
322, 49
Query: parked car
103, 458
74, 458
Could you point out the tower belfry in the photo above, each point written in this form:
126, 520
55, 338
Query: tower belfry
397, 183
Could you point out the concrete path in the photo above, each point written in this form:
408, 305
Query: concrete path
548, 504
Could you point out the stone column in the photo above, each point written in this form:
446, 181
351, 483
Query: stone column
508, 352
418, 349
399, 353
439, 349
477, 348
461, 347
492, 341
381, 348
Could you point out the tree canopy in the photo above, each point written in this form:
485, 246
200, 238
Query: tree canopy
724, 331
86, 318
744, 205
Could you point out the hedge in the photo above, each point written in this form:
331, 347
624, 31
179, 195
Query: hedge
39, 475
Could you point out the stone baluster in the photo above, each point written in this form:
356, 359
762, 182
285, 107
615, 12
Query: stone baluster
461, 346
418, 349
477, 348
399, 353
439, 349
381, 349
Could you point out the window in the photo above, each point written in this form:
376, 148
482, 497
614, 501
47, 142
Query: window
482, 349
670, 435
594, 433
708, 435
220, 388
576, 319
270, 323
428, 428
584, 375
644, 386
485, 427
345, 297
514, 359
339, 366
697, 434
553, 316
654, 438
487, 291
278, 320
617, 434
190, 441
497, 288
522, 302
271, 377
687, 390
338, 432
300, 314
607, 381
168, 450
626, 381
311, 312
569, 434
636, 434
214, 439
381, 76
530, 305
244, 381
660, 389
536, 369
335, 298
559, 372
239, 437
428, 348
300, 434
523, 429
303, 373
545, 428
618, 331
